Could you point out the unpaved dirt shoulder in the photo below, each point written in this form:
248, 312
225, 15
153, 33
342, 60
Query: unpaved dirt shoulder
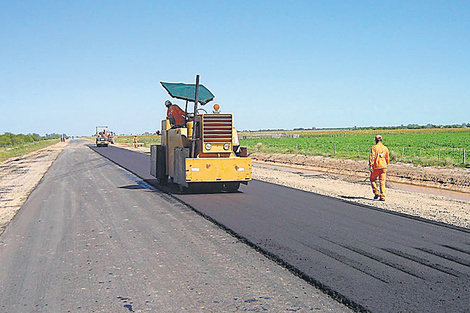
456, 179
19, 176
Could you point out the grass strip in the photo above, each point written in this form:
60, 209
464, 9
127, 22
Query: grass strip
23, 149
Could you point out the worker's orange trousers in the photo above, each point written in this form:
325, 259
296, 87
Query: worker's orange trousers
381, 175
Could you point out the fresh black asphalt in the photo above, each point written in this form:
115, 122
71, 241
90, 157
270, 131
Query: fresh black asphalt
369, 259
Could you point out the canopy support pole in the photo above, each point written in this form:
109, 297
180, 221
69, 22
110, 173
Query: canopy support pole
193, 152
185, 113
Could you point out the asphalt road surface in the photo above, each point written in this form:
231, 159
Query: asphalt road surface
369, 259
93, 237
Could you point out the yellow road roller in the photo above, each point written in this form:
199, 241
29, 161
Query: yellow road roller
198, 148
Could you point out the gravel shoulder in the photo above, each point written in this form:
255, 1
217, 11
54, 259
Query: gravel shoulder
19, 176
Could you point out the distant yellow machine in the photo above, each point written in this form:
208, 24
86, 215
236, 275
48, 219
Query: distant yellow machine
205, 150
101, 135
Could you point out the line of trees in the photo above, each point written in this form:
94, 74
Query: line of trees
414, 126
9, 139
409, 126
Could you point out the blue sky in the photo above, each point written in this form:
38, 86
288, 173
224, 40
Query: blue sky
68, 66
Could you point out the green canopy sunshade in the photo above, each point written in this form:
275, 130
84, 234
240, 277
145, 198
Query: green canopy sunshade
187, 92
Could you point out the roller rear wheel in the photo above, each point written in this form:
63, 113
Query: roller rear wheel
232, 187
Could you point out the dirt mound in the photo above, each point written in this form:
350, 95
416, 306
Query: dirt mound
457, 179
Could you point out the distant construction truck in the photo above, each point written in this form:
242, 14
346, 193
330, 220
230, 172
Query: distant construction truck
204, 150
101, 135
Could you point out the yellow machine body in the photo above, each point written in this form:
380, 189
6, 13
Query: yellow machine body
213, 156
218, 170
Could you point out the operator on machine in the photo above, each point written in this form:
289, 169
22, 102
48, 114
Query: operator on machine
175, 114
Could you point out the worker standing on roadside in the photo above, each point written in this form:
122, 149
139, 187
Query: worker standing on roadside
378, 164
136, 141
175, 114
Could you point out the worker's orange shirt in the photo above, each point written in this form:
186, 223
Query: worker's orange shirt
379, 156
176, 112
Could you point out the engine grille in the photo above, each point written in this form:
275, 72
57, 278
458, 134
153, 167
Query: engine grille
217, 127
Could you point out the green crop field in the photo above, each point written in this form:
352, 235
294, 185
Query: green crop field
435, 146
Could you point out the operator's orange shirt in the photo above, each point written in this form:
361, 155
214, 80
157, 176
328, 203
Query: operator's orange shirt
176, 112
379, 156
